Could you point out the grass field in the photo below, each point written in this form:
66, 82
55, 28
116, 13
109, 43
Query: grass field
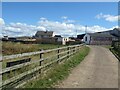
9, 48
59, 72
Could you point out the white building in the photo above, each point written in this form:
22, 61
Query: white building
98, 39
86, 39
63, 40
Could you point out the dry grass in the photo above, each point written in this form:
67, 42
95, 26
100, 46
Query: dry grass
9, 48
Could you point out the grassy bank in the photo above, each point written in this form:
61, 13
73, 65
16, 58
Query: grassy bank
59, 72
9, 48
116, 53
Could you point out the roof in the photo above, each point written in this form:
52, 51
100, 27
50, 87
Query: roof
24, 37
117, 29
44, 33
100, 35
57, 36
80, 36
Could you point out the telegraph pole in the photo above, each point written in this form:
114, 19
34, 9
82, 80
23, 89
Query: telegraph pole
85, 29
76, 32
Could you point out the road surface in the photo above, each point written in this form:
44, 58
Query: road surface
98, 70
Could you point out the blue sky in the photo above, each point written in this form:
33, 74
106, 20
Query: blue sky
79, 13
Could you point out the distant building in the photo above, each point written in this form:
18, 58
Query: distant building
48, 37
116, 32
98, 39
44, 34
61, 40
6, 38
25, 38
102, 38
80, 36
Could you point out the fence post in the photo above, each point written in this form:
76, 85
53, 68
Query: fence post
68, 51
58, 56
0, 75
74, 49
40, 61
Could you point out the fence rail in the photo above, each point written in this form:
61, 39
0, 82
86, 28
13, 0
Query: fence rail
15, 75
116, 48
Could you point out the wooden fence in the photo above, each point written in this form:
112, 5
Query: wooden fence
116, 48
40, 61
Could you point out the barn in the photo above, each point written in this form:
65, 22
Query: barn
98, 39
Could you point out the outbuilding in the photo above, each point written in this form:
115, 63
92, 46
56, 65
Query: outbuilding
98, 39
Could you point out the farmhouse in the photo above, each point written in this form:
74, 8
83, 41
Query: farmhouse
61, 40
48, 37
44, 34
98, 38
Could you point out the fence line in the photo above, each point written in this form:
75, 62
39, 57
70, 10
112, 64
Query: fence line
116, 47
58, 55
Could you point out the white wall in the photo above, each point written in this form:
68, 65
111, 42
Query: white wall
88, 39
63, 40
59, 39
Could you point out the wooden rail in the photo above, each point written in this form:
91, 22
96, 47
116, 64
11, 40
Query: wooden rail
60, 54
116, 48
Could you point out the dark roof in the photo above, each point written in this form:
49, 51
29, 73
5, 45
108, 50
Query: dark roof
116, 32
57, 36
100, 35
117, 29
44, 33
24, 37
80, 36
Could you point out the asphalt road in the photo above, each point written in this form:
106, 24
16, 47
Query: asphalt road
98, 70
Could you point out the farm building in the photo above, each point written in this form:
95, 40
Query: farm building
98, 39
102, 38
80, 36
48, 37
61, 40
116, 32
6, 38
44, 34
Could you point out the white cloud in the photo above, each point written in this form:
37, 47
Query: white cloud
68, 28
66, 20
62, 28
1, 22
64, 17
20, 29
108, 17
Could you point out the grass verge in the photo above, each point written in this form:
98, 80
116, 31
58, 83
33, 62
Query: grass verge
59, 72
117, 55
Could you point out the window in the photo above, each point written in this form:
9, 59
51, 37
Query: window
85, 38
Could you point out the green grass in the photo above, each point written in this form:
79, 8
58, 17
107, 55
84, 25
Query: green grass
107, 46
59, 72
9, 48
115, 52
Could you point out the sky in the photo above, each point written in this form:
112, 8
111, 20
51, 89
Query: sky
64, 18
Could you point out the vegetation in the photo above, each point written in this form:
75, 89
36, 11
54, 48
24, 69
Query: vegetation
116, 49
59, 72
9, 48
